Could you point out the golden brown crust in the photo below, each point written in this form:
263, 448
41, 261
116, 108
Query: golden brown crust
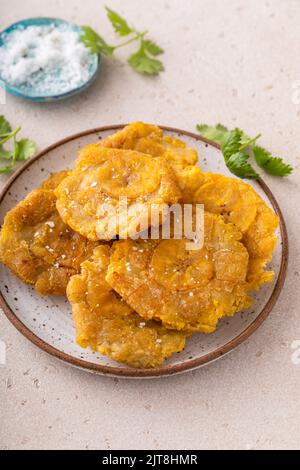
37, 246
101, 179
149, 139
108, 325
185, 289
239, 203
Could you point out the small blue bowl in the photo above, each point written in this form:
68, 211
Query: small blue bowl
29, 93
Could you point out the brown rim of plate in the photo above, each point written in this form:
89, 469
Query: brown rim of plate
168, 369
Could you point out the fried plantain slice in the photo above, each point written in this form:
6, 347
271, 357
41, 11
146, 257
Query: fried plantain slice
37, 246
239, 203
89, 199
149, 139
108, 325
186, 289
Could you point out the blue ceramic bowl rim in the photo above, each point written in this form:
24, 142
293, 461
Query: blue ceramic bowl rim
38, 21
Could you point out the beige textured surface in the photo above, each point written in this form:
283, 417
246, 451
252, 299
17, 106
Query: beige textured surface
232, 61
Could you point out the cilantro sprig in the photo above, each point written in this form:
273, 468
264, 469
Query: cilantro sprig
18, 150
272, 165
143, 60
237, 148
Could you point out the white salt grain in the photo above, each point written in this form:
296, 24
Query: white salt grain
48, 59
128, 267
50, 224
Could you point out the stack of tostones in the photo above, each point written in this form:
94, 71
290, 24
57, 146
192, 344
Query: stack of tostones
86, 233
37, 246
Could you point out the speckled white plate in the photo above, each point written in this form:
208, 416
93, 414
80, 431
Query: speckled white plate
47, 321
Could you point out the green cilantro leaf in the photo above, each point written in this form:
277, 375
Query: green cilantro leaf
6, 154
6, 169
26, 148
95, 42
151, 47
232, 143
272, 165
19, 150
142, 63
239, 166
5, 127
119, 24
236, 159
217, 134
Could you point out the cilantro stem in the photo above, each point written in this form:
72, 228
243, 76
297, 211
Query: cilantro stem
134, 38
5, 169
250, 142
15, 154
5, 135
9, 136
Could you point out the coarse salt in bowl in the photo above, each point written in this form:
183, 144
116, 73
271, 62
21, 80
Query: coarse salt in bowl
43, 59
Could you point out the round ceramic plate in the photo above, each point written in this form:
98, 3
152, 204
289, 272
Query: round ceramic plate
47, 321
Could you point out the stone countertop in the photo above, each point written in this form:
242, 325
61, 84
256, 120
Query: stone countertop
232, 61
